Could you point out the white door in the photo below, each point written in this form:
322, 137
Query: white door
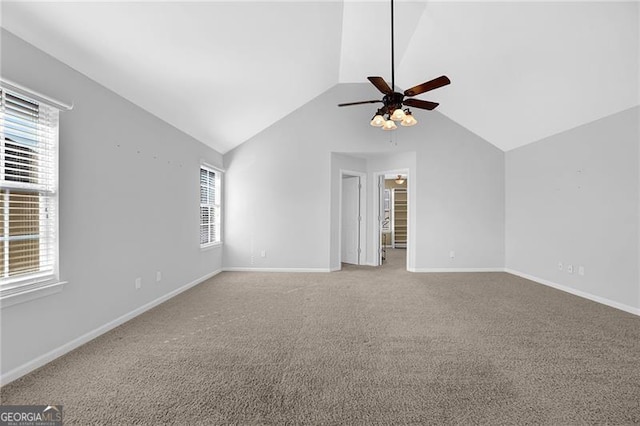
351, 219
381, 209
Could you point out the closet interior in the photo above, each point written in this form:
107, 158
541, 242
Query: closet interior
394, 225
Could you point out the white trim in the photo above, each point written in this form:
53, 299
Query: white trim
36, 96
375, 216
428, 270
38, 362
584, 294
31, 294
211, 166
210, 246
362, 200
245, 269
638, 169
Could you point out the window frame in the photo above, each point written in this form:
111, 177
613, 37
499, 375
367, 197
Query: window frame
14, 290
216, 206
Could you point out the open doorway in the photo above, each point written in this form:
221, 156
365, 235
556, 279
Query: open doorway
352, 217
393, 214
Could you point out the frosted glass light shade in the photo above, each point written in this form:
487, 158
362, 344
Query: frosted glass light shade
409, 120
377, 121
389, 125
398, 115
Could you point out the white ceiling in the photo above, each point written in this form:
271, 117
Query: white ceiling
520, 71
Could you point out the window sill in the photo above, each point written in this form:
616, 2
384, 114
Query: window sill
211, 246
31, 293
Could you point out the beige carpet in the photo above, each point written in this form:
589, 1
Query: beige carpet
361, 346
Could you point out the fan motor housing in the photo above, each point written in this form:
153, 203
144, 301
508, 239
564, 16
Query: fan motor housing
393, 101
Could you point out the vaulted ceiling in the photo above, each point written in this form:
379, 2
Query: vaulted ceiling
224, 71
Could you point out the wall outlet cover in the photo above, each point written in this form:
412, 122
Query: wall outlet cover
138, 283
570, 269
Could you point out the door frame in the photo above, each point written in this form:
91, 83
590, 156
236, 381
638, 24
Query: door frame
377, 220
362, 231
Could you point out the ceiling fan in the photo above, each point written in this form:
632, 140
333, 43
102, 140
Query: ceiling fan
394, 101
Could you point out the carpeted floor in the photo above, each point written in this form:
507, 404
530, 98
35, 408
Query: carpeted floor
360, 346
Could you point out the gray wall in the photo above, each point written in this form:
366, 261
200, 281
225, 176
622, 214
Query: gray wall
573, 198
129, 206
284, 173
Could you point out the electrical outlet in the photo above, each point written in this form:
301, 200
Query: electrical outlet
452, 254
570, 269
560, 266
158, 276
138, 283
581, 270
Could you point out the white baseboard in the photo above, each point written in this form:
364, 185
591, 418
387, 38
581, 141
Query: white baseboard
245, 269
584, 294
496, 269
38, 362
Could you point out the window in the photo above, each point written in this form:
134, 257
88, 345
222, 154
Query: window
209, 206
28, 193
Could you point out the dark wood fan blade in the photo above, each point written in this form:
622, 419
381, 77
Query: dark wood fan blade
417, 103
443, 80
359, 103
381, 85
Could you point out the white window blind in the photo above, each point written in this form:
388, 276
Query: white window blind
209, 206
28, 192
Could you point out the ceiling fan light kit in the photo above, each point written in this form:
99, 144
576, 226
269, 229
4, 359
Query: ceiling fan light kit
389, 125
378, 120
394, 101
398, 115
408, 119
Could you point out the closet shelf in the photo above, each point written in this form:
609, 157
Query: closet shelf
399, 207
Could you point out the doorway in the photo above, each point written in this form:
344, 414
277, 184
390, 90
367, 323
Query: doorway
352, 217
392, 233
